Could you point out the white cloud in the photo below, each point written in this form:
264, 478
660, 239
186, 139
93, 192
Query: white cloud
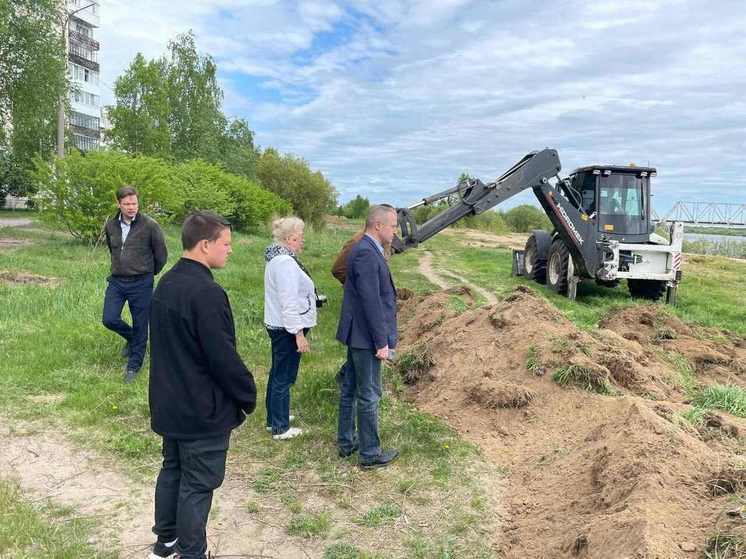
396, 98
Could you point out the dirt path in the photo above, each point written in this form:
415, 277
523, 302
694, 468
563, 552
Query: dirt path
15, 222
485, 239
426, 269
47, 465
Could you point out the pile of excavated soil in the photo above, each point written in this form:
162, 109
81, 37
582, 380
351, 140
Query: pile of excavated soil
616, 474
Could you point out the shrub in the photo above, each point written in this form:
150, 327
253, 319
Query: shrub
525, 218
201, 186
290, 177
253, 204
78, 192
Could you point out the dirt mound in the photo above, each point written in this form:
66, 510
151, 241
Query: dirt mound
588, 424
715, 356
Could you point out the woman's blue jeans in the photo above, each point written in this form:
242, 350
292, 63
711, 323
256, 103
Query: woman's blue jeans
282, 375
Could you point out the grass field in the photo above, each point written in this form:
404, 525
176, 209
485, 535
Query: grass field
431, 504
52, 343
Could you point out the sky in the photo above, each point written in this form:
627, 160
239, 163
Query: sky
393, 100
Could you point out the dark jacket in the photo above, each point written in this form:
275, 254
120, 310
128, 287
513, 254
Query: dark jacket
199, 386
144, 252
368, 318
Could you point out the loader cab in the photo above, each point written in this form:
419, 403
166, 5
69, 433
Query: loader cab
616, 199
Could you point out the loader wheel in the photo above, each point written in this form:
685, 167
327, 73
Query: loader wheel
557, 267
533, 263
646, 289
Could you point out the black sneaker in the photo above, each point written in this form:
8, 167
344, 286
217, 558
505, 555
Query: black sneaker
163, 549
126, 350
130, 374
348, 453
381, 461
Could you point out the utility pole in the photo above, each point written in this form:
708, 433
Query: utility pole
61, 112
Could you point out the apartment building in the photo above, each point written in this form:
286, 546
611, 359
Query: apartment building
84, 69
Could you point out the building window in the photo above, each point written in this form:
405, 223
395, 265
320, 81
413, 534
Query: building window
85, 143
85, 121
83, 74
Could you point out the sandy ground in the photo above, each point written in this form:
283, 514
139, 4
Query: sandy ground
48, 465
15, 222
619, 475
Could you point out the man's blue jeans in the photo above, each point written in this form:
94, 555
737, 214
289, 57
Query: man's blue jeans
362, 380
282, 375
136, 292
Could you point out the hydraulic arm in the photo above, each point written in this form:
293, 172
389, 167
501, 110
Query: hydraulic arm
475, 197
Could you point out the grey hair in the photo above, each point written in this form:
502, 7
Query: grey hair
376, 213
284, 227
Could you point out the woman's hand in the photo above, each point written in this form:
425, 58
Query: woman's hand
302, 342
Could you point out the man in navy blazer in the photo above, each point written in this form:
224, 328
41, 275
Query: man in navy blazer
367, 326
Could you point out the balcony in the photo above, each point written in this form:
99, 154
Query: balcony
87, 132
84, 40
83, 62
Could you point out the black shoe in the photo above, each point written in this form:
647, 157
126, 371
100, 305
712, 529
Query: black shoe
163, 549
126, 350
381, 461
348, 453
130, 374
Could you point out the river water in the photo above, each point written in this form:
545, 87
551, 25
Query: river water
726, 245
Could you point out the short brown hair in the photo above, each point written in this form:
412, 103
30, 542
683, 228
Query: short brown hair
202, 225
124, 191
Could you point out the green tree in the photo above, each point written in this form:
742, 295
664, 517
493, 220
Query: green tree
525, 218
140, 119
172, 108
238, 154
196, 118
290, 177
355, 208
32, 81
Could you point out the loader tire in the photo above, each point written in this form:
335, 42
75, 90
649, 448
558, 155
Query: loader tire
534, 263
652, 290
557, 265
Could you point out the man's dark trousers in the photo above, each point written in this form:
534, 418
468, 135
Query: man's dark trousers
137, 292
192, 470
361, 384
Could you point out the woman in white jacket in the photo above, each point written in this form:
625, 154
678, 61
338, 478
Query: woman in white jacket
289, 312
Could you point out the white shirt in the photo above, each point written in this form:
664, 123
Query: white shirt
125, 229
289, 296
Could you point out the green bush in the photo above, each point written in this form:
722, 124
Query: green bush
525, 218
201, 186
356, 208
253, 204
290, 177
493, 222
78, 192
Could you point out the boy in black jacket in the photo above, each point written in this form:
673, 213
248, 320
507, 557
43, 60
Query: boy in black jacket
200, 389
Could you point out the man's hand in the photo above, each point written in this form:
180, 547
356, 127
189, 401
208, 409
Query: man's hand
302, 342
383, 353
